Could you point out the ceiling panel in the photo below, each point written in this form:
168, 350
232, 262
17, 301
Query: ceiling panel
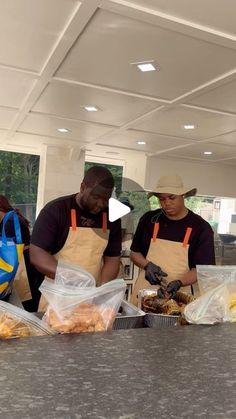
172, 121
35, 142
6, 117
184, 62
45, 125
14, 87
154, 142
29, 29
221, 98
219, 15
227, 139
68, 100
46, 85
196, 151
230, 162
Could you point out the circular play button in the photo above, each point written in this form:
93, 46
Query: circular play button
117, 210
128, 205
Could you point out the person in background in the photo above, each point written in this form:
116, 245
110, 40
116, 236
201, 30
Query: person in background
170, 242
26, 275
76, 229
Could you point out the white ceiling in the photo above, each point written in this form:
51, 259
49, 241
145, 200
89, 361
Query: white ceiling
58, 56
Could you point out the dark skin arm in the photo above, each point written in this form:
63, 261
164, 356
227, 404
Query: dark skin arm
47, 264
138, 259
110, 268
43, 261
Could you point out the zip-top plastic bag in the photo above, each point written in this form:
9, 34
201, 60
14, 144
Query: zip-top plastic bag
16, 322
210, 276
210, 308
91, 309
73, 275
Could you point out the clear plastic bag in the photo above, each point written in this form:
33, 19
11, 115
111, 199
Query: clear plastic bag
80, 310
210, 276
73, 275
16, 322
210, 308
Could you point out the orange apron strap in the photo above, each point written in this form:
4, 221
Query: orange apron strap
73, 219
155, 231
104, 222
187, 236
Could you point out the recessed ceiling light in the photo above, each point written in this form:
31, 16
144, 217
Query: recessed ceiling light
141, 142
146, 67
189, 126
208, 152
63, 130
91, 108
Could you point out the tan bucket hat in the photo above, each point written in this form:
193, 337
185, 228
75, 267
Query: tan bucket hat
173, 184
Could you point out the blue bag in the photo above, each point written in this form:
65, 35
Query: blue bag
11, 250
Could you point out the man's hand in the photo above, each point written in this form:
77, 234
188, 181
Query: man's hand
154, 274
173, 287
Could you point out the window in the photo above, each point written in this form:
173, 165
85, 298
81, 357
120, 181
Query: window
19, 181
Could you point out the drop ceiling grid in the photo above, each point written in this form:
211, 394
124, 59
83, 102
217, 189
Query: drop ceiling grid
196, 63
185, 62
219, 15
28, 30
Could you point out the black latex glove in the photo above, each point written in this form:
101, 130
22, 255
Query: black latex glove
173, 287
153, 273
162, 293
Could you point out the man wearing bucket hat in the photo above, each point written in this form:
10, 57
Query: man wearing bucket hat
171, 241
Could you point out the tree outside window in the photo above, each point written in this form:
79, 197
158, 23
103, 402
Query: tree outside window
19, 181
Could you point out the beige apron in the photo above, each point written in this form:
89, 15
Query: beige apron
84, 247
21, 283
161, 252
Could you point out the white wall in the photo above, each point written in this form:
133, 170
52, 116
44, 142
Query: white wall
134, 164
209, 179
62, 168
60, 173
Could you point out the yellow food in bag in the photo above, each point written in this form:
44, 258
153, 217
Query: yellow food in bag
232, 307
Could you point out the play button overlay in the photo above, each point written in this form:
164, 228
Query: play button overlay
117, 210
128, 202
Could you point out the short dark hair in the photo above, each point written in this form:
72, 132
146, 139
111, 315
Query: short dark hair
5, 207
99, 175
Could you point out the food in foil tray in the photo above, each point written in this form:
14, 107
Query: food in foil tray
152, 303
83, 318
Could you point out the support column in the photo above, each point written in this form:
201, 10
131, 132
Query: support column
61, 171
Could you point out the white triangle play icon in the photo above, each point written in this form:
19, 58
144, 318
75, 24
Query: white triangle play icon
116, 209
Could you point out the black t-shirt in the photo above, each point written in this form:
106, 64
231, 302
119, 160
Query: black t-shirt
201, 242
52, 226
10, 230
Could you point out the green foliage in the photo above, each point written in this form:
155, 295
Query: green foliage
154, 202
140, 203
196, 203
19, 180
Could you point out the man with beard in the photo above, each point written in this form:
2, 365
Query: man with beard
76, 229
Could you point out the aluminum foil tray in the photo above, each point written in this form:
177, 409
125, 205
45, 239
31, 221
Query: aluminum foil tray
158, 321
131, 317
